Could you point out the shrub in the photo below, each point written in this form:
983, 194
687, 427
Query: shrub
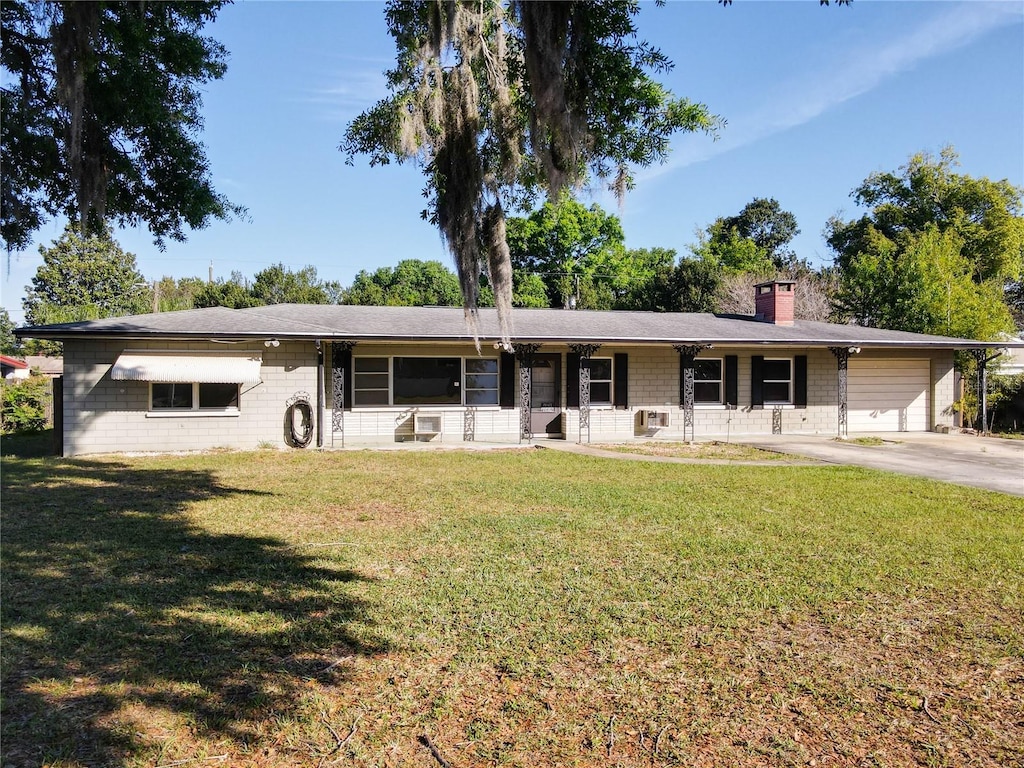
1006, 403
24, 404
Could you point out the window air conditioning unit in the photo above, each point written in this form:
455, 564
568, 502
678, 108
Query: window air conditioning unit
653, 419
427, 424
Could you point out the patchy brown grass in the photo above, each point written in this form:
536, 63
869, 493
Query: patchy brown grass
525, 608
710, 450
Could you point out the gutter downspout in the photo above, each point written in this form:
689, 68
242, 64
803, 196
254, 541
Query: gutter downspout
319, 394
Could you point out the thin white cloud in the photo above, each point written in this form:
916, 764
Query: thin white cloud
348, 95
800, 100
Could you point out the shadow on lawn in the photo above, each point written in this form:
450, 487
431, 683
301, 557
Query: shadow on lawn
114, 603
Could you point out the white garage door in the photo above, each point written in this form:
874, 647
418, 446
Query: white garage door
888, 395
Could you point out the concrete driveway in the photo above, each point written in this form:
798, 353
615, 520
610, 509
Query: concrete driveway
983, 462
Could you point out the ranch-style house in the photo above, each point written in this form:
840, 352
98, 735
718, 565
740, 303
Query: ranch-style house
336, 376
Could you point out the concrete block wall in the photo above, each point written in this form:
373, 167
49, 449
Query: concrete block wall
390, 424
102, 415
943, 393
654, 386
377, 426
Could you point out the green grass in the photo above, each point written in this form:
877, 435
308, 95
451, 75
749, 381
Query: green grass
869, 440
520, 608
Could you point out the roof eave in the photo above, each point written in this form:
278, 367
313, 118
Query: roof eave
141, 335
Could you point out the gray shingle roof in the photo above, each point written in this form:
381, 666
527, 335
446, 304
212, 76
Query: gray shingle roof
358, 323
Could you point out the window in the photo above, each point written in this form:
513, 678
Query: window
171, 396
777, 376
707, 382
371, 383
427, 380
600, 381
482, 381
382, 381
194, 396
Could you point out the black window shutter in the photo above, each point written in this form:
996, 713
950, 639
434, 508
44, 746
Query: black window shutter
757, 380
621, 375
507, 381
344, 361
732, 391
346, 365
800, 380
572, 380
684, 361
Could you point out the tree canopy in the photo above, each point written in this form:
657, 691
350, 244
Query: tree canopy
754, 240
233, 293
84, 278
277, 284
571, 248
732, 252
171, 295
413, 283
101, 115
770, 228
934, 253
500, 101
8, 341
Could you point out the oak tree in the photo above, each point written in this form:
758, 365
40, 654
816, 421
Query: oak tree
500, 101
84, 277
101, 116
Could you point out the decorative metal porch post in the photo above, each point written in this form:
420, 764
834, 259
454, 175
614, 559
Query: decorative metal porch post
842, 355
585, 351
688, 353
338, 350
524, 355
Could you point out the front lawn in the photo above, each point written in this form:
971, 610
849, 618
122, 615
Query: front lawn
513, 607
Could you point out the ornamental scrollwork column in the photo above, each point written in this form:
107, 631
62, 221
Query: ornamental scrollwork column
338, 353
585, 351
687, 353
842, 355
524, 356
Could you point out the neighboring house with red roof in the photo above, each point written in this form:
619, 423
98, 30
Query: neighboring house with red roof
360, 375
13, 368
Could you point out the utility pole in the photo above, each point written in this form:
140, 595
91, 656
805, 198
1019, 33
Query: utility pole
156, 296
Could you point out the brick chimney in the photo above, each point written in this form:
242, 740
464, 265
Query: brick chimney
773, 302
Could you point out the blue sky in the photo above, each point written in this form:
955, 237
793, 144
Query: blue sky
815, 99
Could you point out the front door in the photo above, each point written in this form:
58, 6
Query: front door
545, 395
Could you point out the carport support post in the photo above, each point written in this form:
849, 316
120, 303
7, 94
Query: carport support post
585, 351
688, 353
983, 360
524, 355
842, 355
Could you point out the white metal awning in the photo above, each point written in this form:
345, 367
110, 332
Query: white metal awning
185, 367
